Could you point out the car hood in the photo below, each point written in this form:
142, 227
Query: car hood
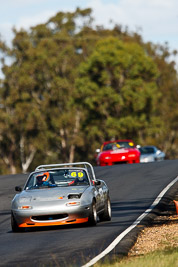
147, 157
49, 194
118, 151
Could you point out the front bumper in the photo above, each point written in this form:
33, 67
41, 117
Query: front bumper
53, 223
35, 217
119, 160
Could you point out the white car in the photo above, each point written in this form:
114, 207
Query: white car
151, 154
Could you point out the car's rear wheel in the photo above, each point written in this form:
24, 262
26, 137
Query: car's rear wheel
92, 220
106, 215
14, 224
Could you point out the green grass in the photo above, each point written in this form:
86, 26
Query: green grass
160, 258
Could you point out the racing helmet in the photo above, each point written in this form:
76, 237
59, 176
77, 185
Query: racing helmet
46, 177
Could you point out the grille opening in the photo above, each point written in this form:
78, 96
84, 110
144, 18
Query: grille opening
50, 217
72, 196
119, 162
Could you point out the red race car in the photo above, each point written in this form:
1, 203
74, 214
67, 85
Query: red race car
116, 152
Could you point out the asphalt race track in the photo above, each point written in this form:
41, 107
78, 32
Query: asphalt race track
133, 188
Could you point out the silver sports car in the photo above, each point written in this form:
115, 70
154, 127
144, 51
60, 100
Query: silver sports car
60, 194
150, 154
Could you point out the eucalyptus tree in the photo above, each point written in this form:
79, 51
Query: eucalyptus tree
71, 85
22, 121
117, 88
38, 113
166, 137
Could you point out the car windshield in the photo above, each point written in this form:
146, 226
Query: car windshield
118, 145
57, 178
147, 150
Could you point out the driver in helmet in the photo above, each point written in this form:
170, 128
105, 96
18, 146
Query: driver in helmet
46, 178
43, 179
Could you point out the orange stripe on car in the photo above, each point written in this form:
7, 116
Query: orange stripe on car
35, 224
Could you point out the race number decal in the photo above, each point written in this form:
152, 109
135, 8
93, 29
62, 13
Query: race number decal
131, 144
80, 174
73, 174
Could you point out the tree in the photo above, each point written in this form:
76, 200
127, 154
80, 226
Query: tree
38, 90
71, 85
22, 121
117, 88
166, 137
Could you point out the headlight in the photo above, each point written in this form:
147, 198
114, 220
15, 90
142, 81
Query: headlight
107, 157
131, 156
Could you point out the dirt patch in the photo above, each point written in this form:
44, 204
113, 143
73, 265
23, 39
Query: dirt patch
162, 233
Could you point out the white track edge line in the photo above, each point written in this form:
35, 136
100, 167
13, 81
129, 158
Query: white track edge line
135, 223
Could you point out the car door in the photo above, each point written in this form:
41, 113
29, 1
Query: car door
100, 196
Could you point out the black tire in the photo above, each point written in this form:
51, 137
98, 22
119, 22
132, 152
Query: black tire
92, 219
106, 215
14, 224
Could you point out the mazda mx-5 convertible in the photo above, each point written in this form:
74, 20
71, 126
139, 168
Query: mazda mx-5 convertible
117, 152
60, 194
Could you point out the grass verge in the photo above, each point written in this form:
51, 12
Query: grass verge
160, 258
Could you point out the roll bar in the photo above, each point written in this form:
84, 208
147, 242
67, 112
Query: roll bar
87, 166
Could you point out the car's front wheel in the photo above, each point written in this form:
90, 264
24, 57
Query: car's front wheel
92, 220
106, 215
14, 224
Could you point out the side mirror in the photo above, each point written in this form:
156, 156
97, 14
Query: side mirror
18, 189
97, 182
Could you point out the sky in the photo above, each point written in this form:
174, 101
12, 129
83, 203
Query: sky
155, 20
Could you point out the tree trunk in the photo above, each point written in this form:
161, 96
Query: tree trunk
63, 144
10, 163
72, 152
26, 160
76, 130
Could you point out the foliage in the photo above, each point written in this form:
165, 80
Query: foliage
117, 89
71, 85
166, 137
